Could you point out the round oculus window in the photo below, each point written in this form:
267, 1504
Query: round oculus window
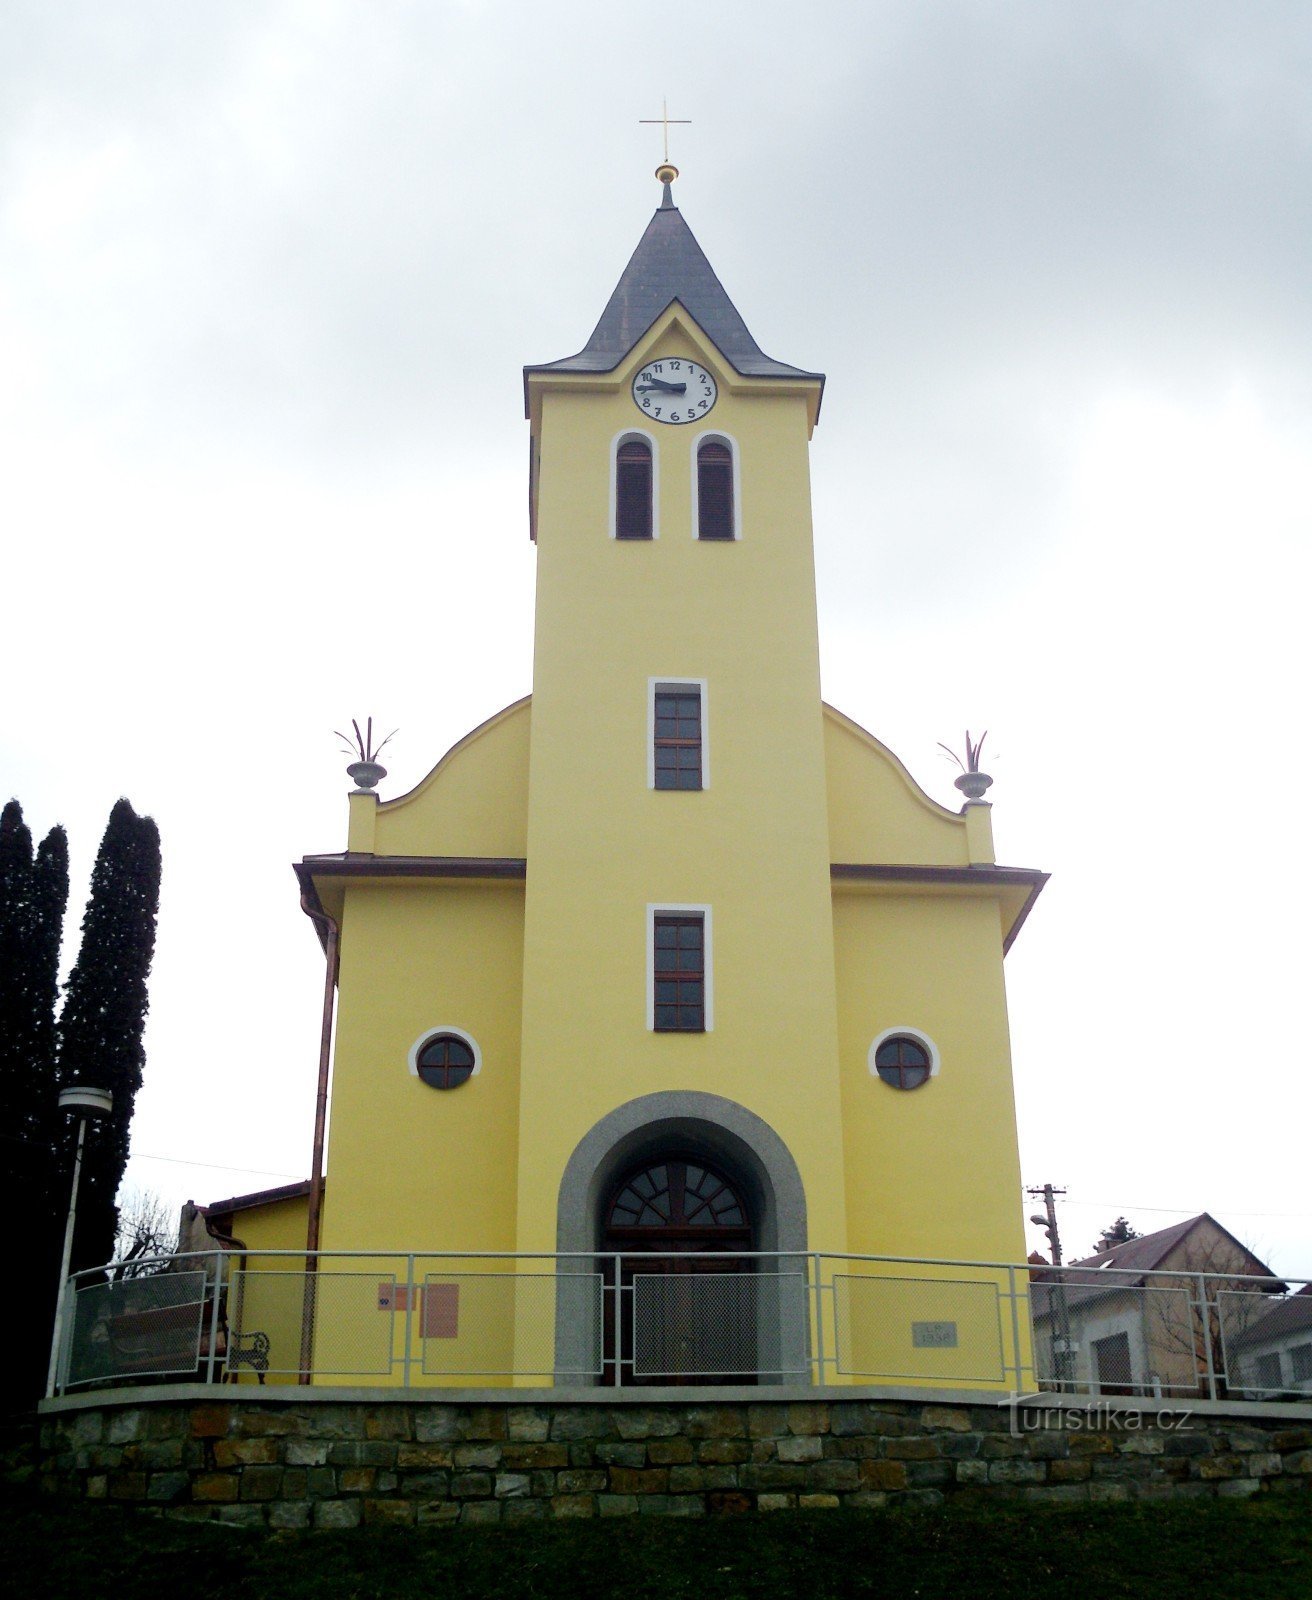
902, 1061
445, 1061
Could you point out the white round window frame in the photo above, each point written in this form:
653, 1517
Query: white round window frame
456, 1033
921, 1038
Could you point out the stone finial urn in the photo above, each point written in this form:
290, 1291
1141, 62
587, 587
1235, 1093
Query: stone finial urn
973, 785
365, 770
366, 775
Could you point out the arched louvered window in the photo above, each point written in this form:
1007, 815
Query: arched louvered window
633, 484
677, 1196
714, 491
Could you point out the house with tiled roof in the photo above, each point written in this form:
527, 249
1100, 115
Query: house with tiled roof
1162, 1314
1274, 1354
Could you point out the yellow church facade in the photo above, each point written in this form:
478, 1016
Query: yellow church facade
668, 962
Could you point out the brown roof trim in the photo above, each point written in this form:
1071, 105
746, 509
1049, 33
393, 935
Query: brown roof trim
954, 877
1024, 912
894, 872
261, 1197
358, 865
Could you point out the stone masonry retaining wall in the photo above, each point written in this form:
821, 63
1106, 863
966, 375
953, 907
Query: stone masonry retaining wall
319, 1461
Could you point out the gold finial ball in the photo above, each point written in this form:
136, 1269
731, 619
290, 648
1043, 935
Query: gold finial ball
666, 173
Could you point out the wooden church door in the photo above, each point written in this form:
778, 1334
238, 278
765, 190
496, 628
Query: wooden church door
687, 1302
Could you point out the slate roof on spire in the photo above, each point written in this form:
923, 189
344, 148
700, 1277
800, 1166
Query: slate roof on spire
669, 265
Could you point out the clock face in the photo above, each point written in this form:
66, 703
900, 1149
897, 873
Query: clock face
674, 390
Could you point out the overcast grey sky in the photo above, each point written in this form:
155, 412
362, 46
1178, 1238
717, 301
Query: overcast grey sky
268, 274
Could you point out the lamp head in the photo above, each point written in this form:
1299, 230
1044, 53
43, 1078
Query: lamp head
90, 1102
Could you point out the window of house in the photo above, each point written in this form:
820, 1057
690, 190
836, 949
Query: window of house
1269, 1375
1112, 1363
903, 1059
679, 971
715, 499
633, 489
444, 1058
1302, 1358
676, 722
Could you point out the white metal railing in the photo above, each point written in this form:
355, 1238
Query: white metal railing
461, 1319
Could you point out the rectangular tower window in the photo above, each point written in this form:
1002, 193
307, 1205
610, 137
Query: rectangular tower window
677, 736
678, 973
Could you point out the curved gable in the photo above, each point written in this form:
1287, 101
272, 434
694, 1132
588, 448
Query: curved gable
877, 810
475, 800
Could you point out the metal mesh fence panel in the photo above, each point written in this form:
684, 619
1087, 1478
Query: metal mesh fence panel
719, 1324
137, 1328
1265, 1344
504, 1322
268, 1310
944, 1329
1111, 1336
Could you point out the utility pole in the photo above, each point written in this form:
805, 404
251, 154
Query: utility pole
1064, 1362
1049, 1222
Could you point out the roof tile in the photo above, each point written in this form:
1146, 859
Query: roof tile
668, 266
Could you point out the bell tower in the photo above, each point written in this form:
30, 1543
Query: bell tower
678, 937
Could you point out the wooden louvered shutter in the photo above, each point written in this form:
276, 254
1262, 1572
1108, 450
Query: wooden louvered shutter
633, 490
714, 491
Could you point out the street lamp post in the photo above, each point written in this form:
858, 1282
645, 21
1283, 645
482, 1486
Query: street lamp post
90, 1103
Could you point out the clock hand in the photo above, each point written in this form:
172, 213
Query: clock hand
662, 386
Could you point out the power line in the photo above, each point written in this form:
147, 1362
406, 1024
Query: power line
176, 1161
1180, 1211
212, 1166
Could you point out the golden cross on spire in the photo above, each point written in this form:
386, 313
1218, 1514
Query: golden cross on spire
665, 119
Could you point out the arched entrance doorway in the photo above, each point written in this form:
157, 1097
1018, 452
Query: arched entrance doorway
675, 1225
714, 1134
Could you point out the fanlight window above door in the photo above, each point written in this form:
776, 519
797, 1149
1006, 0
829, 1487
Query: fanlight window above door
677, 1194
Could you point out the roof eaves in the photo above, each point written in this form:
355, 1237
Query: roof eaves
260, 1197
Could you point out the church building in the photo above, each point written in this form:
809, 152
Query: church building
668, 959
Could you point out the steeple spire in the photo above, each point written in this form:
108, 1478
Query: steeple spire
668, 266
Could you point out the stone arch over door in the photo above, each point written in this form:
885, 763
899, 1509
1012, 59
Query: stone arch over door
719, 1130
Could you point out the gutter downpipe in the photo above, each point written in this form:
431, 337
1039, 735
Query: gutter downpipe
330, 932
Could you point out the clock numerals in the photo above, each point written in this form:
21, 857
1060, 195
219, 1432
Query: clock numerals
674, 390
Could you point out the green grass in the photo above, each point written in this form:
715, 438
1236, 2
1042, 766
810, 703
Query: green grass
1167, 1552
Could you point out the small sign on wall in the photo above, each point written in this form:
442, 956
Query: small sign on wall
438, 1306
441, 1311
934, 1335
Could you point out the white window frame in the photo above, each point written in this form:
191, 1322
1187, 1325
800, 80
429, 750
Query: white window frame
717, 436
669, 908
665, 681
458, 1033
921, 1038
623, 437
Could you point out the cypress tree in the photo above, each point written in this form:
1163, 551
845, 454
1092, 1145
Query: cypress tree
33, 896
104, 1015
16, 1021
